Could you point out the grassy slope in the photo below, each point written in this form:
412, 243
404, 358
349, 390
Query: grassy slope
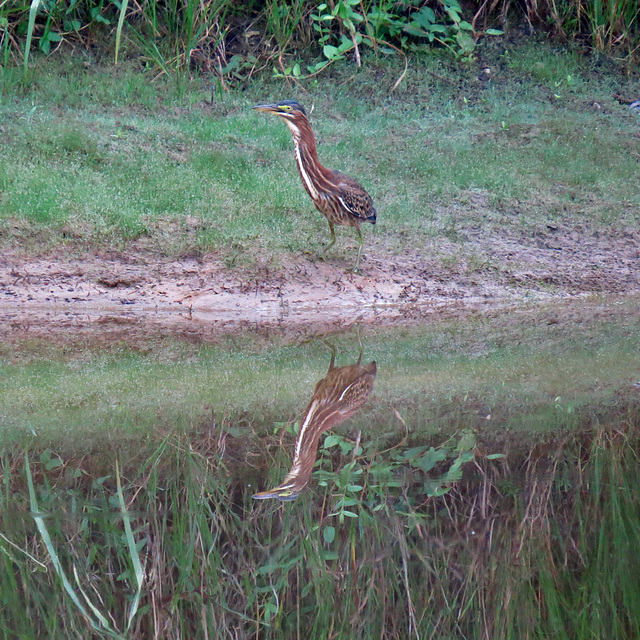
97, 156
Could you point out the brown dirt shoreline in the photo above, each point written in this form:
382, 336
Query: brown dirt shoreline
136, 294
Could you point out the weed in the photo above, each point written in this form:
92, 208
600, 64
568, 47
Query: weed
540, 542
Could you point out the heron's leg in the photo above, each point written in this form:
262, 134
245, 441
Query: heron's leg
331, 242
360, 347
356, 266
331, 346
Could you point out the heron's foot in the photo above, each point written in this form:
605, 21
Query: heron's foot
323, 254
355, 269
313, 255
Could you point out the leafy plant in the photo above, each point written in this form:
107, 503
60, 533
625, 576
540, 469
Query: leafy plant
343, 27
454, 33
544, 546
371, 478
176, 36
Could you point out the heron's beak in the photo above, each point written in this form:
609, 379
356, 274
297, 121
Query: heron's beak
267, 108
279, 493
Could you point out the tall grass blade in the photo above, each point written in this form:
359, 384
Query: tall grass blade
32, 21
133, 552
123, 12
96, 611
46, 538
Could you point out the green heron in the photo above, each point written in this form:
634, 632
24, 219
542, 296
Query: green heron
336, 397
339, 198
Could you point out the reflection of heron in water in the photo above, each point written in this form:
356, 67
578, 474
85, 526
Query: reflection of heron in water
336, 397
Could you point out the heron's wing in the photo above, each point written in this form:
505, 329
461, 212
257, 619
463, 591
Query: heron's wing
354, 198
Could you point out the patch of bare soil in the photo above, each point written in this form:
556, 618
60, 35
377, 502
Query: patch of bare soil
136, 295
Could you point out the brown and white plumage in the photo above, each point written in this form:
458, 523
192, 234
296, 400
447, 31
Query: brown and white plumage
341, 199
336, 397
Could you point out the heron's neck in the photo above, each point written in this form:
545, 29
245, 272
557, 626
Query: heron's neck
313, 174
319, 416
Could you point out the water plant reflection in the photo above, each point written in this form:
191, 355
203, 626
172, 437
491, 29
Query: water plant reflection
335, 398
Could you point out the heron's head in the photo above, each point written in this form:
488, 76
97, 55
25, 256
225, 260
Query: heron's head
289, 110
285, 492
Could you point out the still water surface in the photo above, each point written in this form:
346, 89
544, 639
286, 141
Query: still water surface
478, 481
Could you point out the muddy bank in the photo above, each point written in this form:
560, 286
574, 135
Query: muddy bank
136, 294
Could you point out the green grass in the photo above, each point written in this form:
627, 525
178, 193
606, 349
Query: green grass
110, 156
543, 543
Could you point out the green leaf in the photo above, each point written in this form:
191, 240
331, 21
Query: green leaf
465, 42
414, 29
331, 52
494, 32
414, 452
53, 463
97, 16
467, 441
425, 17
345, 502
267, 568
452, 4
331, 440
329, 534
429, 460
72, 25
33, 10
121, 16
454, 15
439, 491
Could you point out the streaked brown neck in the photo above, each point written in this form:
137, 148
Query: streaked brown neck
318, 418
315, 177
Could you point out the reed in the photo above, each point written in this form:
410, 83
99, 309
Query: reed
540, 543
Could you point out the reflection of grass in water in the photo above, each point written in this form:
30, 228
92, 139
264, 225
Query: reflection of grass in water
541, 544
527, 371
